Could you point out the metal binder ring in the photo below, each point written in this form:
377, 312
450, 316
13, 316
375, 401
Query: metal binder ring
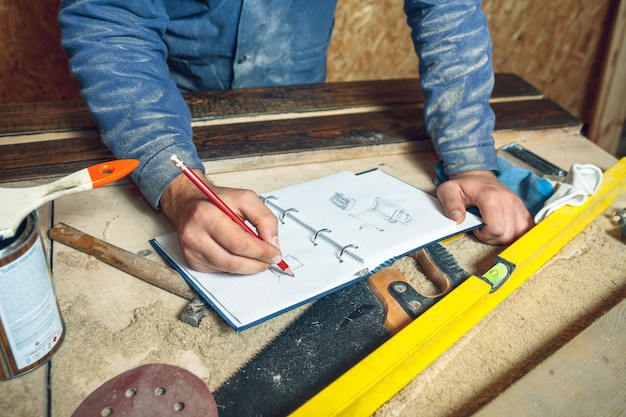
318, 233
269, 197
282, 217
345, 248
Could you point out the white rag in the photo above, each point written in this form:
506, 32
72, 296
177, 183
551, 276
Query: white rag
582, 181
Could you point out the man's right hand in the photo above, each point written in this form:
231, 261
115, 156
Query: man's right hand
210, 240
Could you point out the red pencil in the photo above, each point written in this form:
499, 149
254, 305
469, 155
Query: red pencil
213, 198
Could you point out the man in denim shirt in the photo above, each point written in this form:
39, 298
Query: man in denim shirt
133, 58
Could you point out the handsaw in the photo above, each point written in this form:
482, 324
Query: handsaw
333, 335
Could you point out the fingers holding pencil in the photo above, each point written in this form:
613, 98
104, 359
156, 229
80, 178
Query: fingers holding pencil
210, 241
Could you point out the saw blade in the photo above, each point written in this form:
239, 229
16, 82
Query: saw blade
328, 338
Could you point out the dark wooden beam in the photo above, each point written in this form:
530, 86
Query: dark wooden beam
522, 109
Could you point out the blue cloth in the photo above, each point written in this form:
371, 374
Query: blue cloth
133, 58
530, 188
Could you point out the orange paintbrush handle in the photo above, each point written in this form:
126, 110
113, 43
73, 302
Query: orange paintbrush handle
107, 172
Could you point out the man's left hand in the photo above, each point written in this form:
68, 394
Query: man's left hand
503, 213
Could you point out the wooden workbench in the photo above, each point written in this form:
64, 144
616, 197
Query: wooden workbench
271, 138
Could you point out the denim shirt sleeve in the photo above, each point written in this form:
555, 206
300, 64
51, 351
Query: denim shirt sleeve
119, 59
453, 44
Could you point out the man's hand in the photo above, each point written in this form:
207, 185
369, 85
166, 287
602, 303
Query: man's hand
210, 240
505, 216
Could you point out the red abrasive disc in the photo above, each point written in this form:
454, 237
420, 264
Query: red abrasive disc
155, 390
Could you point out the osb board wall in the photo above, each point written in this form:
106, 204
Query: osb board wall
556, 45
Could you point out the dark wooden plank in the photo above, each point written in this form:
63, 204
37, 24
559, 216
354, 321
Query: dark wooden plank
512, 85
331, 96
362, 129
24, 118
532, 115
237, 140
45, 159
20, 119
305, 134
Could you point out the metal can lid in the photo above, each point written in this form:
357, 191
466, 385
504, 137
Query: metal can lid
22, 236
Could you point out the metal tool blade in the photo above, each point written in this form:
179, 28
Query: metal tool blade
325, 341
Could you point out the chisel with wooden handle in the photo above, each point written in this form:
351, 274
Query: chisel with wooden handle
138, 266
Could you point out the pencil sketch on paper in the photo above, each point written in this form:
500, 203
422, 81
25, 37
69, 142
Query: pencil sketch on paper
294, 263
382, 212
343, 201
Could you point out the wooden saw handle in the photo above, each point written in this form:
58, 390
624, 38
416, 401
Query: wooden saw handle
395, 316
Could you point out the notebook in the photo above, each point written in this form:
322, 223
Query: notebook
333, 231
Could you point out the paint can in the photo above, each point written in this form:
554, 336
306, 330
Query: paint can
31, 327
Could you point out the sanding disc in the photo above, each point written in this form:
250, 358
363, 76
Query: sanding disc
156, 390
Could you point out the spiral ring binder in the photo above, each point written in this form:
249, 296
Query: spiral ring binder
318, 233
282, 216
345, 248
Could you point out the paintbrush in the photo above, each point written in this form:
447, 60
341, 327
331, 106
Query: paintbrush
17, 203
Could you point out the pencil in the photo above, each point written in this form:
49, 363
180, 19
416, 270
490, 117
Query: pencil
213, 198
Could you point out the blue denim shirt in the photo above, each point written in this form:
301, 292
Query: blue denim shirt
132, 59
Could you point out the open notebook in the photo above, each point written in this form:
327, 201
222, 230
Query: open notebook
333, 231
